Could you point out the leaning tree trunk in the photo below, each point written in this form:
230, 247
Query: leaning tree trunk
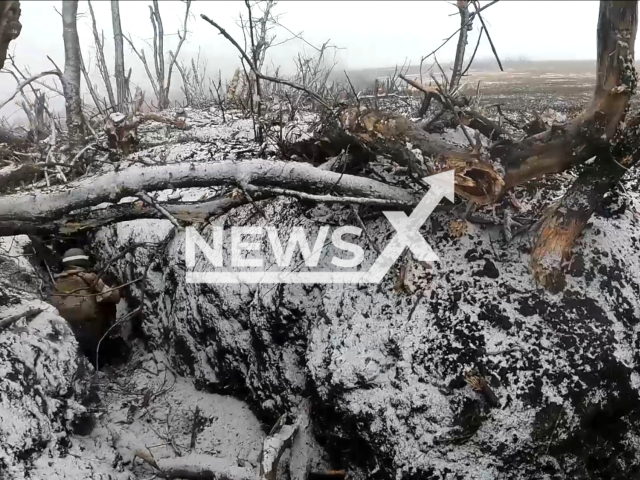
72, 69
10, 26
121, 80
456, 74
616, 82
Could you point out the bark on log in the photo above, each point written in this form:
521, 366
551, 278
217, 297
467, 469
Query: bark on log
46, 205
485, 126
10, 26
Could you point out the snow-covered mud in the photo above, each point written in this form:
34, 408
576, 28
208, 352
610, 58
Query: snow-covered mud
382, 370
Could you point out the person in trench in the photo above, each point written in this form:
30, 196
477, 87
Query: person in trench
89, 306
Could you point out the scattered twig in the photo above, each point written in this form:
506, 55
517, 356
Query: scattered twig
364, 229
323, 198
146, 198
555, 427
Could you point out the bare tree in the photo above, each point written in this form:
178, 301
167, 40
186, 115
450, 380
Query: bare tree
122, 89
256, 29
100, 60
72, 68
161, 83
465, 26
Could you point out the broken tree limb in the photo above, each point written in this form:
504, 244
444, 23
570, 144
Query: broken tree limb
616, 82
53, 203
279, 439
389, 134
89, 219
562, 226
26, 82
453, 34
144, 196
473, 55
196, 467
449, 103
485, 126
493, 48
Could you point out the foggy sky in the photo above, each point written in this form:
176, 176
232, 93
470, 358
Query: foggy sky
371, 34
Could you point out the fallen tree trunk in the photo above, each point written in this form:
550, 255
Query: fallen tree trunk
196, 467
89, 219
390, 134
46, 205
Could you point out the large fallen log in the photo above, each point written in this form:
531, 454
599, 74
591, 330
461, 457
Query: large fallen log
23, 210
92, 218
196, 467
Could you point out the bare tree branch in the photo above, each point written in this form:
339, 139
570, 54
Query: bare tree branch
100, 60
224, 33
493, 48
26, 82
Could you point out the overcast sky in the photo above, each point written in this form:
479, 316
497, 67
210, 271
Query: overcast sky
372, 34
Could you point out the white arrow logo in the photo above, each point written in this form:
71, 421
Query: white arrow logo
407, 236
407, 228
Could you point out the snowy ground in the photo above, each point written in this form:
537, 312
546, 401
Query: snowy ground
381, 371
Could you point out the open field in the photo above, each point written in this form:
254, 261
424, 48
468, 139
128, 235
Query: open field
524, 85
531, 89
